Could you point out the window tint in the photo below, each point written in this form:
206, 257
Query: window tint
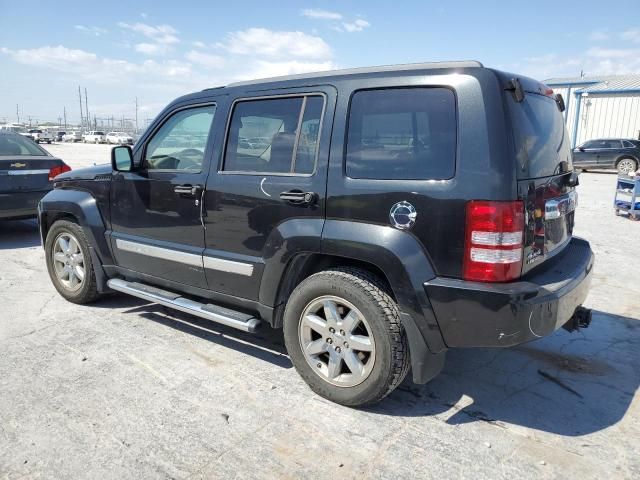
541, 140
627, 144
612, 144
589, 144
19, 145
181, 141
263, 135
405, 134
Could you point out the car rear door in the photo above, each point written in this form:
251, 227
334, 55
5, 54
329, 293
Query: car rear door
609, 152
267, 197
156, 219
544, 172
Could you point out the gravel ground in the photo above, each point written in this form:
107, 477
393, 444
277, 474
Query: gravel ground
124, 389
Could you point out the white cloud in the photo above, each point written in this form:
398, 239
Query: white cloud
599, 35
88, 65
164, 34
264, 69
632, 35
144, 15
92, 30
154, 49
594, 61
356, 26
204, 59
276, 44
321, 14
198, 44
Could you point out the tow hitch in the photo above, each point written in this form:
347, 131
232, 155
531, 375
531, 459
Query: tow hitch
581, 319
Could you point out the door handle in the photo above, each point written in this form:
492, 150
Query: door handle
299, 197
187, 190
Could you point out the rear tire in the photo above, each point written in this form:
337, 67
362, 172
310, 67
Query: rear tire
366, 356
626, 165
69, 262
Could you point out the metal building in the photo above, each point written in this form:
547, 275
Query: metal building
600, 107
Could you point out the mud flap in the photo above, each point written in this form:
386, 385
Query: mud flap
425, 366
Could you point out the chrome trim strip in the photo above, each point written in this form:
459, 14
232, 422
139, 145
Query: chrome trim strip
558, 207
228, 266
159, 252
28, 172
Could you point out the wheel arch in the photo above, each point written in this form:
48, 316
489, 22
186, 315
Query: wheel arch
80, 207
625, 156
394, 256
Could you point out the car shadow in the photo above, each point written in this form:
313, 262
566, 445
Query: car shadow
567, 384
267, 344
19, 234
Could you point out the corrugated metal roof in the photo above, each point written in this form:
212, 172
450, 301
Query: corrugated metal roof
572, 80
618, 84
600, 84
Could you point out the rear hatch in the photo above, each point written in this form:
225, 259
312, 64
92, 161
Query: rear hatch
546, 181
26, 173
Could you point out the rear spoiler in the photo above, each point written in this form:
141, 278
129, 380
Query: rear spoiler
520, 87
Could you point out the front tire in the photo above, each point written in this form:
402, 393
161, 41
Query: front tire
343, 333
69, 262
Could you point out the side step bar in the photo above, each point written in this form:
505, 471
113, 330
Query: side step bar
224, 316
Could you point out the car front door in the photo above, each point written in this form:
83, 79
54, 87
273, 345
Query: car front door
156, 218
267, 198
586, 155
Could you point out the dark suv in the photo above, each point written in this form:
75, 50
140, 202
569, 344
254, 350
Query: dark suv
619, 153
379, 215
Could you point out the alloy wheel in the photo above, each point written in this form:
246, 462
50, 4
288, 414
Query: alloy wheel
336, 341
626, 165
68, 262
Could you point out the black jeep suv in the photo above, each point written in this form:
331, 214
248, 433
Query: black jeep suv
379, 215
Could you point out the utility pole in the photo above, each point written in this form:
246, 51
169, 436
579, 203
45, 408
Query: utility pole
136, 115
18, 112
65, 117
81, 112
86, 106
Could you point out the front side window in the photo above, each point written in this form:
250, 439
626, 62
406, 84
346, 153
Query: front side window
181, 141
402, 134
274, 135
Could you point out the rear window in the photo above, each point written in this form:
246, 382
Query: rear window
402, 134
541, 141
16, 145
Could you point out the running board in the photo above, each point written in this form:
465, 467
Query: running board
224, 316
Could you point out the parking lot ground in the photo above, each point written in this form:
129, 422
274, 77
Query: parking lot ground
125, 389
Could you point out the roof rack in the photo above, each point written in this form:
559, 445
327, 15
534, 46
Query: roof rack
364, 70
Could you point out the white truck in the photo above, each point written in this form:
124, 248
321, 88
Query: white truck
94, 136
38, 135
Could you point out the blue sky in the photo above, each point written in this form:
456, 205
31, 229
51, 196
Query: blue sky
159, 50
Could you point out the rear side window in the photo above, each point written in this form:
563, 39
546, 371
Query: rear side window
274, 135
402, 134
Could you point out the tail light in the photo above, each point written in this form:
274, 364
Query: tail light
493, 243
55, 171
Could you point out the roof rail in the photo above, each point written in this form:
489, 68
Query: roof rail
364, 70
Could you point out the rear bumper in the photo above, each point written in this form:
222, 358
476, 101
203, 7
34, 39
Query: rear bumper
20, 204
472, 314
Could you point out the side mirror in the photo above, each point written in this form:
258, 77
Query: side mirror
581, 149
122, 158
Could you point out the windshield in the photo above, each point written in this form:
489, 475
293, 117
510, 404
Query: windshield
16, 145
541, 141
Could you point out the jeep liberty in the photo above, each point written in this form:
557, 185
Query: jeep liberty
380, 216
